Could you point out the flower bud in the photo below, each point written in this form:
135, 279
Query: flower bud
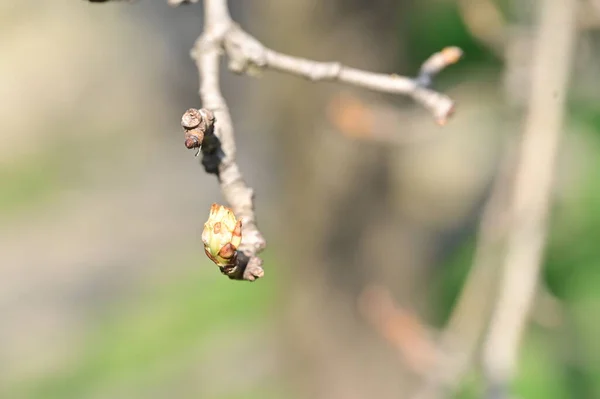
222, 235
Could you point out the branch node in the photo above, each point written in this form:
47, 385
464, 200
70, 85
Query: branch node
248, 268
197, 124
244, 51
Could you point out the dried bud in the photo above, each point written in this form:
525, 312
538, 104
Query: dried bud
191, 119
194, 134
196, 124
222, 235
193, 139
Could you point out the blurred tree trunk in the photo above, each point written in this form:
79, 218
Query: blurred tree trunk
335, 191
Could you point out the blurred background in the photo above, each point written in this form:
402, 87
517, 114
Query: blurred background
371, 211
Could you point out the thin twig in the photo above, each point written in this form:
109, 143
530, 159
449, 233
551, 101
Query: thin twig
246, 54
531, 196
207, 53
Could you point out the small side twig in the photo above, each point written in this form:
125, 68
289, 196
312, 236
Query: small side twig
246, 55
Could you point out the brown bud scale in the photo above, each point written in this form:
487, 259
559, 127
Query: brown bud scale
191, 119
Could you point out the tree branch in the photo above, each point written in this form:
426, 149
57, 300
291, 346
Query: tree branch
245, 53
459, 340
211, 128
221, 140
532, 191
